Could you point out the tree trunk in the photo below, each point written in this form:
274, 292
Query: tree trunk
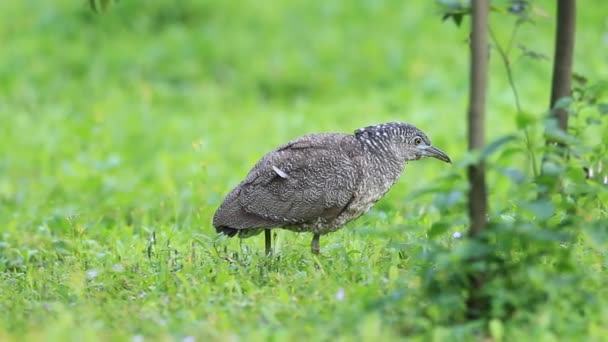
561, 85
477, 101
478, 202
562, 62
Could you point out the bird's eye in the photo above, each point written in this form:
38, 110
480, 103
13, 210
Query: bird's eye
417, 141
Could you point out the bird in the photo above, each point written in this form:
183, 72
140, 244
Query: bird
319, 182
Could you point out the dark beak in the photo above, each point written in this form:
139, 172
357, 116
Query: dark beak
434, 152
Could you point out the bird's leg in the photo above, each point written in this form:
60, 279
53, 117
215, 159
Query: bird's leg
268, 241
314, 245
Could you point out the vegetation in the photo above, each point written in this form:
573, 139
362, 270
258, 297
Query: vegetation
123, 128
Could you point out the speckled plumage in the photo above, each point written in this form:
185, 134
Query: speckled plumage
319, 182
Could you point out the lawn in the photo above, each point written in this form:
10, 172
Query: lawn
122, 132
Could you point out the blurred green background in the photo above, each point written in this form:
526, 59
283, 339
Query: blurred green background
140, 119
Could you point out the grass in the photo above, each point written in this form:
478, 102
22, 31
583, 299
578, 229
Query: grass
122, 132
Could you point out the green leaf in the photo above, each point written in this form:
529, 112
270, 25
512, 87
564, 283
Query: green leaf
512, 150
471, 249
456, 18
424, 191
532, 54
579, 78
602, 108
492, 147
556, 134
438, 228
103, 4
563, 103
597, 237
468, 159
552, 166
496, 330
515, 175
448, 199
523, 120
542, 209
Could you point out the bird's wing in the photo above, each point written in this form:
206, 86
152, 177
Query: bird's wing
301, 181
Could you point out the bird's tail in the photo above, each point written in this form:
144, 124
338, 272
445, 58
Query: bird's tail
230, 232
231, 219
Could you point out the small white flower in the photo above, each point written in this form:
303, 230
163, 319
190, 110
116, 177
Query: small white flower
340, 295
456, 235
92, 274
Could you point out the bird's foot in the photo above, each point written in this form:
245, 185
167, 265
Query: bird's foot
268, 242
314, 245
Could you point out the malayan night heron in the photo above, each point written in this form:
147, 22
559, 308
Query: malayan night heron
319, 182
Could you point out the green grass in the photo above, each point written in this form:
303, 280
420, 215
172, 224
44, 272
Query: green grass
122, 132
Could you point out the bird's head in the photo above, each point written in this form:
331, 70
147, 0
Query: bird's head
404, 140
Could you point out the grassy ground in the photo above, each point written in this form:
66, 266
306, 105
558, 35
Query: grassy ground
122, 132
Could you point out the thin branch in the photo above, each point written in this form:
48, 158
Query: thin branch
511, 39
504, 55
505, 59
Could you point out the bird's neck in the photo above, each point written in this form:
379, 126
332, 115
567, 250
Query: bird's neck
382, 164
384, 167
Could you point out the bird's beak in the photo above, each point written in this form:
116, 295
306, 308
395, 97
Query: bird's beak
432, 151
